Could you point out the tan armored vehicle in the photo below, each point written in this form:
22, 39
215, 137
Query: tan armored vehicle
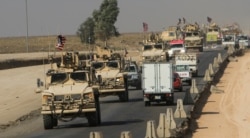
193, 37
70, 92
171, 33
154, 50
110, 72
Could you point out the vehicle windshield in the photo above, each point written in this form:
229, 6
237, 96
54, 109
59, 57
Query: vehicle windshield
58, 77
171, 34
158, 46
130, 69
242, 37
176, 46
148, 47
228, 38
78, 76
97, 65
180, 68
112, 64
192, 34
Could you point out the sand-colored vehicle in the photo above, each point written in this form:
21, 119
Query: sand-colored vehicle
71, 90
193, 37
154, 50
171, 33
110, 71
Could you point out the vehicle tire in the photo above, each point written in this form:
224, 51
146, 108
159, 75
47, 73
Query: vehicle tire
48, 121
181, 89
147, 103
124, 97
55, 121
201, 49
98, 109
138, 86
195, 74
190, 82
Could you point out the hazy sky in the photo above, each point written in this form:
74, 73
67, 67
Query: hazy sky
51, 17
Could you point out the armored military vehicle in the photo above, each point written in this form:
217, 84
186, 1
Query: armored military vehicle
154, 49
110, 72
213, 34
71, 91
171, 33
193, 37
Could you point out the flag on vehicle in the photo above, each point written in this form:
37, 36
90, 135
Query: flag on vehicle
60, 42
145, 27
209, 19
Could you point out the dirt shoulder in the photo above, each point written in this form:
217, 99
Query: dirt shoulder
227, 114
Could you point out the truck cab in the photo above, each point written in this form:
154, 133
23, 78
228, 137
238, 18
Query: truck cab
133, 75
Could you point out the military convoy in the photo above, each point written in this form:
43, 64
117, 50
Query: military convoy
71, 90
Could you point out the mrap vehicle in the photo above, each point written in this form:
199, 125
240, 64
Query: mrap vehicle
157, 82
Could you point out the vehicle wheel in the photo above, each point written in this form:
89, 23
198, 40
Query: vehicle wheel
98, 109
55, 121
138, 86
181, 89
147, 103
48, 121
195, 74
92, 118
201, 49
124, 96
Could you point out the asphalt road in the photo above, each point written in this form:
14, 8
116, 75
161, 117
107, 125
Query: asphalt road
117, 117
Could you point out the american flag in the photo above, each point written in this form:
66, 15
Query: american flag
60, 42
209, 19
145, 27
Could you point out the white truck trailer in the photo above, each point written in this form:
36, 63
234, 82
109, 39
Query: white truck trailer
157, 82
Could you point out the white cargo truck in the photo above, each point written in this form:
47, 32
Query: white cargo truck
157, 82
190, 59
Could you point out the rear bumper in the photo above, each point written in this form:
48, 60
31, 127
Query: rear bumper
158, 97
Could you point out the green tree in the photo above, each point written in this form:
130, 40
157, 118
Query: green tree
86, 31
101, 25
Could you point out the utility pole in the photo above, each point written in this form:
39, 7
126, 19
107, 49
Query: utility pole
27, 27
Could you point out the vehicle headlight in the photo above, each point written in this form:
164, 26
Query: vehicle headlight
119, 79
88, 96
46, 99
